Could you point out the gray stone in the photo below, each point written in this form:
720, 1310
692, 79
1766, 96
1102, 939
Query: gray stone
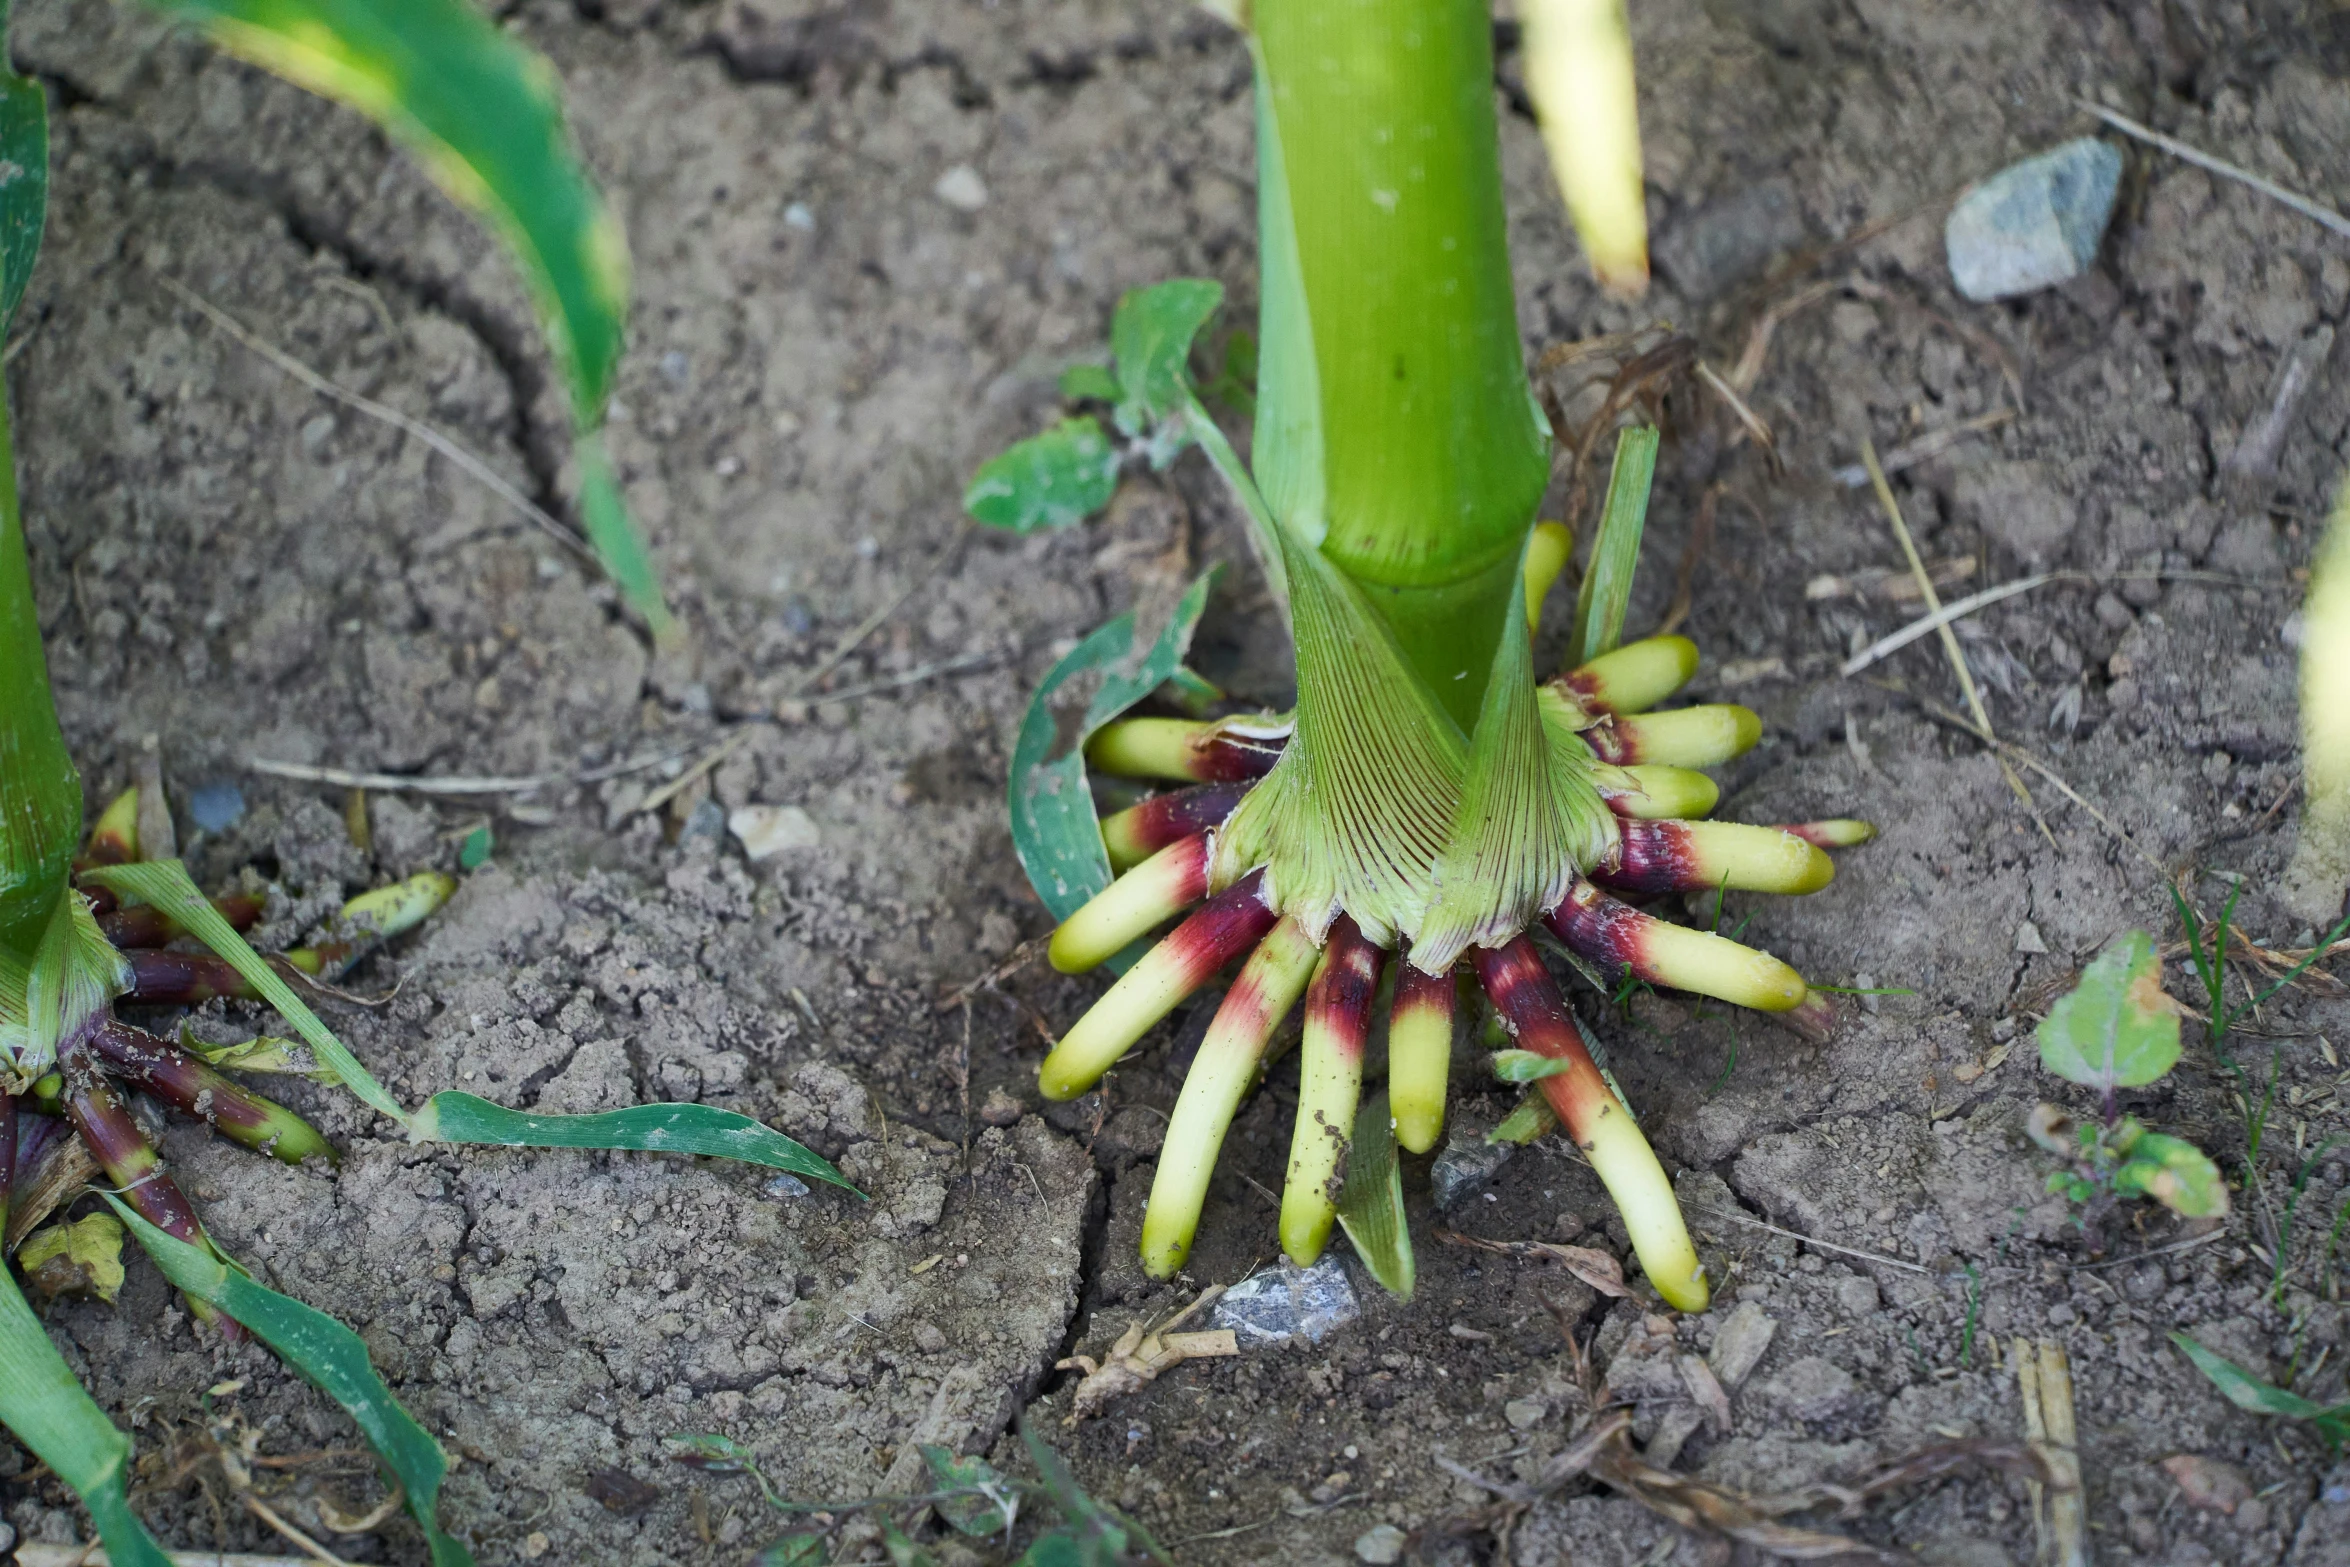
1289, 1302
2034, 224
1467, 1162
1380, 1545
1812, 1389
1524, 1414
1739, 1343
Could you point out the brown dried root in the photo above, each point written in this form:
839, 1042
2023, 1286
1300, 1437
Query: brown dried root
1142, 1352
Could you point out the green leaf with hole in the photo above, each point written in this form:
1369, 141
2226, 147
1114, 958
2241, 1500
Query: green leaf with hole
1370, 1205
2116, 1029
453, 1117
1151, 335
1053, 480
47, 1410
1053, 826
484, 116
329, 1356
166, 886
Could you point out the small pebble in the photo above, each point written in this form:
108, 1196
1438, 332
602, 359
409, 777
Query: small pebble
785, 1186
1288, 1302
961, 188
2033, 224
1002, 1108
215, 807
2029, 941
2209, 1483
1524, 1414
771, 829
1467, 1162
1380, 1545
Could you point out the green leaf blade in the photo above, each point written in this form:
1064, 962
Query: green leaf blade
706, 1130
1606, 593
2246, 1391
484, 116
330, 1357
1053, 480
45, 1406
2116, 1028
1054, 830
1370, 1206
1151, 334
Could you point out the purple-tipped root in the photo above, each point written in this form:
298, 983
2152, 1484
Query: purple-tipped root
1619, 939
146, 926
1140, 831
182, 1080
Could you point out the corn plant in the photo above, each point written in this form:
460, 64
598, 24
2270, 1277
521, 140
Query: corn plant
83, 935
1430, 801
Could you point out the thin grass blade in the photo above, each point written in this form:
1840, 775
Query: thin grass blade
330, 1357
1615, 548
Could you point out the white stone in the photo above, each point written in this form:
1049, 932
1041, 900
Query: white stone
771, 829
961, 188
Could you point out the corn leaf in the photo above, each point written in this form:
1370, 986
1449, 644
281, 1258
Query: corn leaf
2116, 1029
329, 1356
453, 1117
1370, 1207
24, 180
1532, 1119
42, 1403
1053, 826
1528, 1066
1615, 548
40, 794
165, 884
1053, 480
484, 117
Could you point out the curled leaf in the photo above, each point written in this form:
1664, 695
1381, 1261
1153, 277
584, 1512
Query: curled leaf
81, 1258
2175, 1173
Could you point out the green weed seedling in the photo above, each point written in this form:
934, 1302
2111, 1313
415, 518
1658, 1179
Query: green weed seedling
971, 1496
2118, 1029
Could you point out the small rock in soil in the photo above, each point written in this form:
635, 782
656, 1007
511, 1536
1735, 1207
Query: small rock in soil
621, 1492
1380, 1545
216, 807
1467, 1162
1002, 1108
771, 829
1739, 1343
1288, 1302
2035, 223
2212, 1484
